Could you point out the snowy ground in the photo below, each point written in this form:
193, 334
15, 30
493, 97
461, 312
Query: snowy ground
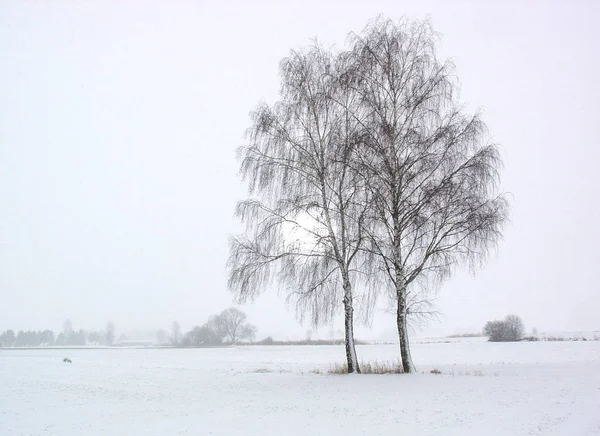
537, 388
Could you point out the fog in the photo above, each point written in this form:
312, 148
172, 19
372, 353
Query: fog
118, 179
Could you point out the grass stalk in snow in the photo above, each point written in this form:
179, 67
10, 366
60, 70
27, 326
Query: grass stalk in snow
375, 367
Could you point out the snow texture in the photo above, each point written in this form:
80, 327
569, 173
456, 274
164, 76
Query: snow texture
536, 388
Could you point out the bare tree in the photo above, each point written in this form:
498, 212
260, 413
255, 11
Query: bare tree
162, 337
366, 171
110, 333
304, 226
175, 333
248, 332
67, 328
432, 174
232, 323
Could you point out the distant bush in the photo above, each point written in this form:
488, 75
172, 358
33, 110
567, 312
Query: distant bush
509, 330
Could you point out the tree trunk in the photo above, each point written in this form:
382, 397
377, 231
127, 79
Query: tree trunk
349, 330
401, 322
401, 309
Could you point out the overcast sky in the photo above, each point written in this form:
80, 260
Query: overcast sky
119, 122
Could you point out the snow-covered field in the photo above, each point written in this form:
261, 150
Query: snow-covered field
533, 388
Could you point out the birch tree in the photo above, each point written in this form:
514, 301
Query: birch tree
305, 218
432, 173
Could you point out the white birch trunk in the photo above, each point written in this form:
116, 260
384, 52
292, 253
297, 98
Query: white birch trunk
349, 328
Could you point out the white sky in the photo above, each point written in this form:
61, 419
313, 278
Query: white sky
118, 126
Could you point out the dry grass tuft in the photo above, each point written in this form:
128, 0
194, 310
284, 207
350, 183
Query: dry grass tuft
375, 367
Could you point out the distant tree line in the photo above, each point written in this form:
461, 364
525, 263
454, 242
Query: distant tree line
67, 337
28, 338
228, 327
